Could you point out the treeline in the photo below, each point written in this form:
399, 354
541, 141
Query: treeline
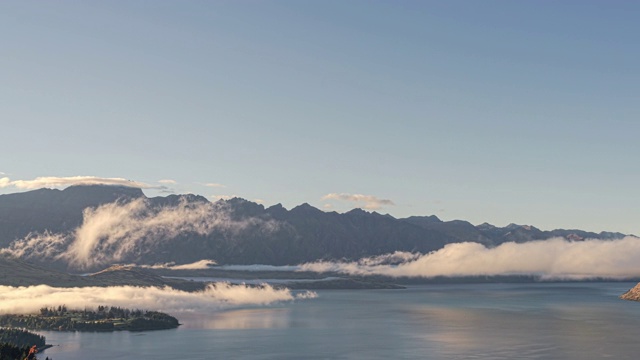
13, 352
18, 344
104, 318
20, 337
101, 313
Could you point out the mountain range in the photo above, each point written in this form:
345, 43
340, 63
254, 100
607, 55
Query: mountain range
188, 228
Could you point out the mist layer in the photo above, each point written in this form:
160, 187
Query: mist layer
554, 258
28, 300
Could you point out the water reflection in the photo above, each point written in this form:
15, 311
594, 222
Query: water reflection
484, 333
277, 318
567, 332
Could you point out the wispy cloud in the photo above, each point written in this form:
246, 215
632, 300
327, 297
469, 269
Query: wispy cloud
61, 182
167, 182
368, 202
198, 265
215, 185
549, 259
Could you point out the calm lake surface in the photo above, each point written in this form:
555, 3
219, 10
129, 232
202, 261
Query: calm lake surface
480, 321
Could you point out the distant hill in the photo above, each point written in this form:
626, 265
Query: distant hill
15, 272
128, 275
273, 235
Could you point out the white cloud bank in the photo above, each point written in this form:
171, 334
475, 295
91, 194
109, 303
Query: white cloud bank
198, 265
368, 202
61, 182
26, 300
113, 232
549, 259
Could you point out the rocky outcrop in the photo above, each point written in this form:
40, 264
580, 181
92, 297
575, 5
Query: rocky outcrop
633, 294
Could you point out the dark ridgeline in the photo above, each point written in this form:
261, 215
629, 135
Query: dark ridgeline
21, 338
273, 235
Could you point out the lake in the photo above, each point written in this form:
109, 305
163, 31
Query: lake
476, 321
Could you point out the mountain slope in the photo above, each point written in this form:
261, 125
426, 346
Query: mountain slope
15, 272
54, 210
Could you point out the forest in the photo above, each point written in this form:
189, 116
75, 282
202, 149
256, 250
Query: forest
103, 318
17, 343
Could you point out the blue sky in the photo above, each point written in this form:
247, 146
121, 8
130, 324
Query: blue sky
496, 111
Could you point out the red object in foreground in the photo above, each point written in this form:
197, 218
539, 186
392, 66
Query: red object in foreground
32, 353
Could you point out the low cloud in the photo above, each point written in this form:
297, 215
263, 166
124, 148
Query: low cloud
368, 202
167, 182
214, 185
548, 259
260, 267
117, 232
28, 300
45, 245
198, 265
62, 182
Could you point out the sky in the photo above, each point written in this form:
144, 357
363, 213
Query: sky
489, 111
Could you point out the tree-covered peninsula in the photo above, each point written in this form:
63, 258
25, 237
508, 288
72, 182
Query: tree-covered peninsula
104, 318
17, 344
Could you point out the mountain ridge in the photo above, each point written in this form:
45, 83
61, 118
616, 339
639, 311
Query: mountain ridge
247, 232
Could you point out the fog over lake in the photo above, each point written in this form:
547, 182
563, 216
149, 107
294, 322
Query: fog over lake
479, 321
